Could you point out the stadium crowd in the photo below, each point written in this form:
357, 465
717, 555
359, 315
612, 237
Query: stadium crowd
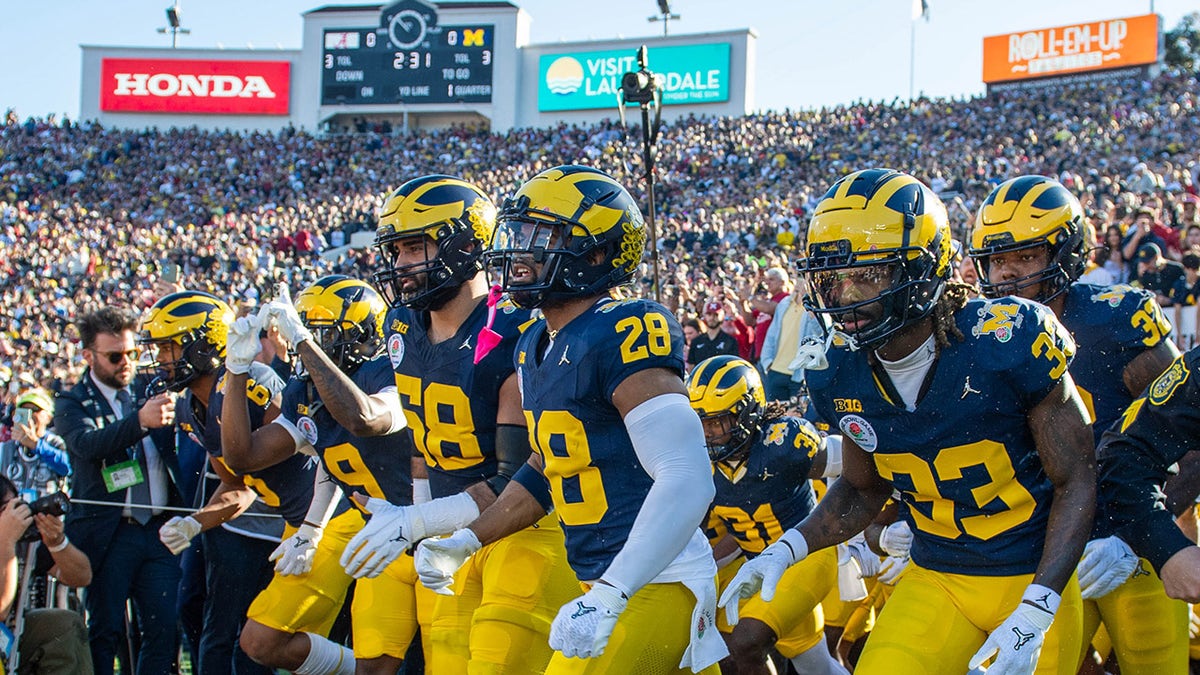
93, 217
88, 215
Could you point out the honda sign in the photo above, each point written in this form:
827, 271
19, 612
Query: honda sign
195, 86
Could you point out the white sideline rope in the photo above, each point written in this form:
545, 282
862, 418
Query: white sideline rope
180, 509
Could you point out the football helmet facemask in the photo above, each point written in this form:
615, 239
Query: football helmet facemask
198, 325
729, 387
346, 319
456, 216
1023, 213
881, 228
578, 224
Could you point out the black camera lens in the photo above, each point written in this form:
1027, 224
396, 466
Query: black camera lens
638, 86
53, 504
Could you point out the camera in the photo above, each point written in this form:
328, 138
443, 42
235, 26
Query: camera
641, 85
53, 504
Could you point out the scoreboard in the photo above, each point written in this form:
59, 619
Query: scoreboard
408, 59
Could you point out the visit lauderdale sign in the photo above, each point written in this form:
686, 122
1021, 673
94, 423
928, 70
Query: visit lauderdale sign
589, 80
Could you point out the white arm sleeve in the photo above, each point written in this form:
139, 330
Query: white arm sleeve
388, 398
326, 495
833, 456
669, 442
302, 444
444, 515
421, 492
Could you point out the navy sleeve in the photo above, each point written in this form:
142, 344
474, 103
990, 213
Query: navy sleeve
1135, 455
531, 479
1134, 506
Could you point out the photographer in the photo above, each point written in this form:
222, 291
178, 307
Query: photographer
50, 640
32, 420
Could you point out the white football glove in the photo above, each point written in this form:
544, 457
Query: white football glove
1017, 642
1193, 623
896, 539
849, 576
242, 345
763, 572
287, 320
294, 555
1106, 564
437, 560
810, 355
391, 531
583, 625
862, 559
177, 533
891, 568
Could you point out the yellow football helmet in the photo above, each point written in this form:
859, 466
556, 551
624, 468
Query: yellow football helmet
456, 215
884, 228
198, 324
560, 219
728, 386
346, 319
1027, 212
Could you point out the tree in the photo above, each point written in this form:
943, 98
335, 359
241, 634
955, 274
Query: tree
1182, 44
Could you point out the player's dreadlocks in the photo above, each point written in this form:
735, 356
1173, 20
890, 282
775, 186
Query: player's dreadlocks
954, 298
773, 411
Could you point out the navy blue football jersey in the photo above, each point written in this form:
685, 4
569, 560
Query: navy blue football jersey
377, 466
1135, 456
596, 481
814, 416
286, 486
451, 401
964, 461
770, 491
1111, 325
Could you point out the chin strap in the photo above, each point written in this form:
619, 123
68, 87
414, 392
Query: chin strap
835, 334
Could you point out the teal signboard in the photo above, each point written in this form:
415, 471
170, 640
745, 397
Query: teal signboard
591, 80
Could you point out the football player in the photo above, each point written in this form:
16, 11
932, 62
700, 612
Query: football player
1029, 241
762, 461
619, 454
186, 334
452, 357
344, 318
1158, 430
966, 408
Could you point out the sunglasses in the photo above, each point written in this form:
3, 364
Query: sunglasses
116, 358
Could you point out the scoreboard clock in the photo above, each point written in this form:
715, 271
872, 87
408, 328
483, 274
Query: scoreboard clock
408, 58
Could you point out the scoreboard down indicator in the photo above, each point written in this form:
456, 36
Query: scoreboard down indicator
407, 61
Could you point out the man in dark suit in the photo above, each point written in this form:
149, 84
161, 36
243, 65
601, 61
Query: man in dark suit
122, 447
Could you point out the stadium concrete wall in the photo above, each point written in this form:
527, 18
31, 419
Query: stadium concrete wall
516, 79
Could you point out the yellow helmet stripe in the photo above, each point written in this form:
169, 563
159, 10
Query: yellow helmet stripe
432, 214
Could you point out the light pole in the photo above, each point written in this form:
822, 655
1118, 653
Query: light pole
920, 10
664, 15
174, 26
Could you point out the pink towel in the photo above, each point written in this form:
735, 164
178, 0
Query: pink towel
488, 338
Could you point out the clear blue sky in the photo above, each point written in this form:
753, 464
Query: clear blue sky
810, 52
